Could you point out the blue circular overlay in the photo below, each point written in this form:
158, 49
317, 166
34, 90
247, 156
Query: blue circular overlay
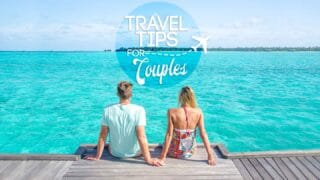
155, 44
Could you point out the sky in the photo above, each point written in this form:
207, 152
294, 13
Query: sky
92, 24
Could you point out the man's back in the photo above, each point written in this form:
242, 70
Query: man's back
122, 121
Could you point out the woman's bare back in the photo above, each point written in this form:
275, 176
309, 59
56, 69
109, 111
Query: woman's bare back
178, 117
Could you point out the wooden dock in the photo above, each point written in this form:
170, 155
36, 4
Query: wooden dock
300, 165
255, 165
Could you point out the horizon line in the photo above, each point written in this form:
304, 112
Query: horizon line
212, 48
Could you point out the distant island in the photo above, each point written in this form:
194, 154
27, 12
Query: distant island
317, 48
158, 49
266, 49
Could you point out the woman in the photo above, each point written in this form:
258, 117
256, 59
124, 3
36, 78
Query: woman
180, 140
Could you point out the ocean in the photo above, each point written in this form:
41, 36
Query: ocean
51, 102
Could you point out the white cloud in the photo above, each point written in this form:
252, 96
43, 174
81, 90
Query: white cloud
98, 35
255, 31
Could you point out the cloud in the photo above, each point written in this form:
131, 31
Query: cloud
255, 31
244, 24
98, 35
250, 31
255, 21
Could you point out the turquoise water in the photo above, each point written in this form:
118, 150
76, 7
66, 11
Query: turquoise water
51, 102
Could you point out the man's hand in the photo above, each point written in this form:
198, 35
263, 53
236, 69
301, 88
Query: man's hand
154, 162
92, 158
211, 161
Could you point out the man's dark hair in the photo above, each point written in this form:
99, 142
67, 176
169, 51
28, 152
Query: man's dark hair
124, 89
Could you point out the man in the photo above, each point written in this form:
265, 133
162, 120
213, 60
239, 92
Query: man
125, 123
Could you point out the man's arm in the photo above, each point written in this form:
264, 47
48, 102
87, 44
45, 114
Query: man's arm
168, 138
101, 142
142, 139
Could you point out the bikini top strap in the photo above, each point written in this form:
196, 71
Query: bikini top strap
186, 113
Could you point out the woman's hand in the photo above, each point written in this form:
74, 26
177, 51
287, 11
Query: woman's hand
92, 158
211, 161
161, 161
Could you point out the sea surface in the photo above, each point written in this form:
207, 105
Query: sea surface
51, 102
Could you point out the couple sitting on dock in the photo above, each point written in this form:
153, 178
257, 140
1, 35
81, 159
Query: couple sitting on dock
125, 123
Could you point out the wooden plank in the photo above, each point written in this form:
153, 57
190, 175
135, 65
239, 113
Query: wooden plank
4, 165
56, 170
284, 169
293, 168
115, 167
305, 171
250, 168
132, 177
273, 154
150, 176
35, 170
34, 167
274, 165
63, 170
52, 170
48, 171
155, 171
108, 174
242, 169
162, 172
313, 161
271, 171
17, 170
54, 157
142, 164
313, 169
101, 166
10, 168
296, 171
262, 172
93, 168
317, 158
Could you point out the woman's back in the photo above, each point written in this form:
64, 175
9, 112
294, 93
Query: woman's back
179, 117
180, 140
184, 121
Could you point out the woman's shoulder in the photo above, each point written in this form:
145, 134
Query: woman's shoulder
198, 110
172, 110
195, 110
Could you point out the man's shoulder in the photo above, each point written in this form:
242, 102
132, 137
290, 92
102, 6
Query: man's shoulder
110, 106
137, 107
133, 106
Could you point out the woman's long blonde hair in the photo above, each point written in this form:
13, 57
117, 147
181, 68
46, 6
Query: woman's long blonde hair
187, 97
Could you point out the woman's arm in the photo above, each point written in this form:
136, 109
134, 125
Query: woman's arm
101, 142
204, 137
168, 138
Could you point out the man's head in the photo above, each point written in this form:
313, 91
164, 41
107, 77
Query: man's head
124, 90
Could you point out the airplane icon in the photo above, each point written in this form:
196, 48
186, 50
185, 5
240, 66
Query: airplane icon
202, 41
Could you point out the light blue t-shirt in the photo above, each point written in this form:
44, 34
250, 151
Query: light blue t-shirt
122, 121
